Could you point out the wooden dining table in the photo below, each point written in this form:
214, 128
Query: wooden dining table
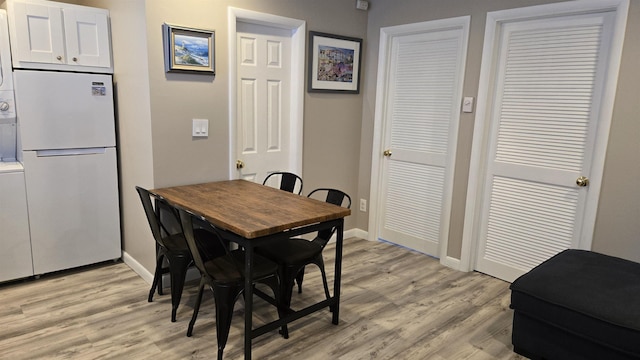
252, 215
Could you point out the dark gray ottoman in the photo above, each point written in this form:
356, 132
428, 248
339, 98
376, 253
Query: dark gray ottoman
578, 305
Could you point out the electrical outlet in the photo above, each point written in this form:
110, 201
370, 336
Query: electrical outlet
363, 205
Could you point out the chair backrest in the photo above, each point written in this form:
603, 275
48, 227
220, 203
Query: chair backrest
288, 181
168, 217
335, 197
152, 217
186, 220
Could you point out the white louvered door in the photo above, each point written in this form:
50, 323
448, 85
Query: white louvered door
263, 121
543, 127
422, 99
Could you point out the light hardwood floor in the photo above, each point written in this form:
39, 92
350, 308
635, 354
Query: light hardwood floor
396, 304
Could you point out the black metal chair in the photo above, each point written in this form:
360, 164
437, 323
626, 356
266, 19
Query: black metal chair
172, 246
224, 275
292, 255
288, 181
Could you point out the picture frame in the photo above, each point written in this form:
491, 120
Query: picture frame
334, 63
188, 50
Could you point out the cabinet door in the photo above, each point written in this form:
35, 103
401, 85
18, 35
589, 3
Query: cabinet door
38, 35
87, 37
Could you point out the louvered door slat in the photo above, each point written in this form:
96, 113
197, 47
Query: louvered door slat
530, 51
520, 218
424, 80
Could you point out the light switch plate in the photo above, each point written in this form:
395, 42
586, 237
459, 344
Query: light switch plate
362, 4
467, 104
200, 128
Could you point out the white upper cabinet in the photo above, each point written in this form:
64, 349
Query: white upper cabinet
87, 37
57, 36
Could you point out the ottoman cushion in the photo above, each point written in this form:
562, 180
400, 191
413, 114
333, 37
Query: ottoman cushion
587, 294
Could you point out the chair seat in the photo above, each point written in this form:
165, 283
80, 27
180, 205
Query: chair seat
229, 269
291, 251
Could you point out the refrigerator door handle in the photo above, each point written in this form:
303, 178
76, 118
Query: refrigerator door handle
70, 152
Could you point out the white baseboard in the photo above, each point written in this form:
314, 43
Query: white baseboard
146, 275
351, 233
137, 267
359, 233
451, 262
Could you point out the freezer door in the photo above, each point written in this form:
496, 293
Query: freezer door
58, 110
73, 208
14, 228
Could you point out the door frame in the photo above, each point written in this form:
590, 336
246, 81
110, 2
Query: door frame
477, 170
296, 115
380, 126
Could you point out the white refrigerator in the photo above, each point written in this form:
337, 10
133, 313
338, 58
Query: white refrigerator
67, 130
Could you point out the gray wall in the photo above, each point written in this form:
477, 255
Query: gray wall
617, 229
156, 147
155, 109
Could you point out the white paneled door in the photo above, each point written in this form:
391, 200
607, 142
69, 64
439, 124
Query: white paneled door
263, 95
546, 134
418, 110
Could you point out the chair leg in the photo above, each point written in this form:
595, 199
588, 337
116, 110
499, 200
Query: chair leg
287, 278
156, 278
299, 279
225, 297
196, 308
178, 270
273, 283
320, 264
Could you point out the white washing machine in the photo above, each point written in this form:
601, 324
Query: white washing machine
15, 238
8, 126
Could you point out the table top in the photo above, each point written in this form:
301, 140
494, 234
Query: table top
248, 209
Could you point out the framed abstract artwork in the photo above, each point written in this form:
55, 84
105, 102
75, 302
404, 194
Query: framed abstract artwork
334, 63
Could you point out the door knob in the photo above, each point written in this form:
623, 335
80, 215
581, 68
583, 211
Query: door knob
387, 153
239, 164
582, 181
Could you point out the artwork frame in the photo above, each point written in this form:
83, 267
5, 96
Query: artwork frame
198, 58
327, 75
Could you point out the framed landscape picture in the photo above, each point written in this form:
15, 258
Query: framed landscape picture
334, 63
188, 50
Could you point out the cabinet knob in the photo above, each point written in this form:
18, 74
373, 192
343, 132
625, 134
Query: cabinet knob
59, 57
75, 59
